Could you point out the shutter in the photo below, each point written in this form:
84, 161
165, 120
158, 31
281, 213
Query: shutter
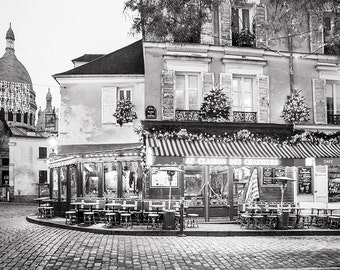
109, 96
261, 32
316, 30
225, 17
207, 32
263, 104
168, 94
208, 82
226, 83
319, 100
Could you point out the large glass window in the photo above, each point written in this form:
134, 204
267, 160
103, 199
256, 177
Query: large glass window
110, 180
243, 94
55, 184
63, 183
187, 92
193, 185
90, 179
73, 179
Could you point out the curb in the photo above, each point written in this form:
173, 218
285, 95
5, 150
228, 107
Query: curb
301, 232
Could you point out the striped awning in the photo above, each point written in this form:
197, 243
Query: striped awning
183, 148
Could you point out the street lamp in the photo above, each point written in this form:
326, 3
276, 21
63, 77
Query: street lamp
171, 172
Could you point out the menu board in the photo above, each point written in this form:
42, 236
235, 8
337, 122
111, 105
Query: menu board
305, 180
333, 184
269, 173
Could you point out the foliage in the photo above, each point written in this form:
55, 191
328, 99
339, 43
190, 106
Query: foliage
243, 39
295, 109
215, 106
177, 20
124, 113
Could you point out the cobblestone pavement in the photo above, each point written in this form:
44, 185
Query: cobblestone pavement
29, 246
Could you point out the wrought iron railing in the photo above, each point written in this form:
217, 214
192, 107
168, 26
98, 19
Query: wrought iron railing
187, 115
239, 116
333, 119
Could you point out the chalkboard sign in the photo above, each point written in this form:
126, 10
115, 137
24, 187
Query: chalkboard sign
333, 184
269, 173
305, 180
150, 112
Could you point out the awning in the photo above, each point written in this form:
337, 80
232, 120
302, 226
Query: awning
217, 148
62, 162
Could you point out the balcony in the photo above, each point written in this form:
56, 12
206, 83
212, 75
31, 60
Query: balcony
247, 117
193, 115
333, 119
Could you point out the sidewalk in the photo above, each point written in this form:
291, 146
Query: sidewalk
230, 228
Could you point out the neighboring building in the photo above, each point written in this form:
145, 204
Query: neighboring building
256, 76
28, 150
48, 118
96, 157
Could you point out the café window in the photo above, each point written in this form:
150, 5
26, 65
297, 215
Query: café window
193, 185
5, 161
63, 183
110, 180
42, 152
5, 178
90, 179
243, 95
333, 184
42, 177
187, 92
73, 181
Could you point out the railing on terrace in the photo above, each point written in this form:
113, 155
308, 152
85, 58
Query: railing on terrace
239, 116
333, 119
193, 115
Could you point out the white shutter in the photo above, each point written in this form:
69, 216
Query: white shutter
263, 99
320, 103
109, 97
226, 83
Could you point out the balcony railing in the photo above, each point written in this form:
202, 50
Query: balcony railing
239, 116
187, 115
333, 119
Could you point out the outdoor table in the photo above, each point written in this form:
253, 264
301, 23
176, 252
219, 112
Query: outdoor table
331, 209
129, 206
113, 205
39, 200
91, 204
157, 207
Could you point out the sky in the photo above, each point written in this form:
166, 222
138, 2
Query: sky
50, 33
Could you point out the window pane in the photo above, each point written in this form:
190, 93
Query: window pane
193, 100
180, 100
128, 94
245, 19
248, 85
193, 81
248, 100
180, 82
110, 180
121, 95
90, 180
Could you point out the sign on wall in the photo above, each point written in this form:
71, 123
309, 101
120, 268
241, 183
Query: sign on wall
269, 173
150, 112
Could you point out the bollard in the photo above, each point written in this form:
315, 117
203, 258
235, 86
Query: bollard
181, 224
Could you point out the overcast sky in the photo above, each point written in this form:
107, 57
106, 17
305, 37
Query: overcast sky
50, 33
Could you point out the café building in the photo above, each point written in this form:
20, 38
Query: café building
212, 173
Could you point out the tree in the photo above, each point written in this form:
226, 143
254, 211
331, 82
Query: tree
170, 20
295, 109
124, 113
215, 106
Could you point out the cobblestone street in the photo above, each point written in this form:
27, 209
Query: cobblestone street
29, 246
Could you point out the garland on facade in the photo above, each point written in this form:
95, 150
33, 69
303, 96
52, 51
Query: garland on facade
215, 106
315, 138
295, 109
124, 113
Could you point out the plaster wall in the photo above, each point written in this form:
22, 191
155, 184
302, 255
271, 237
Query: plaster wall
81, 114
25, 164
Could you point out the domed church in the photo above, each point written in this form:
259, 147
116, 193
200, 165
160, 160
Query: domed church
24, 149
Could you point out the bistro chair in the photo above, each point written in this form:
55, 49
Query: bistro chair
89, 218
153, 220
110, 219
125, 219
192, 220
71, 217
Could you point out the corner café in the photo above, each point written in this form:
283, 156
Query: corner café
215, 173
